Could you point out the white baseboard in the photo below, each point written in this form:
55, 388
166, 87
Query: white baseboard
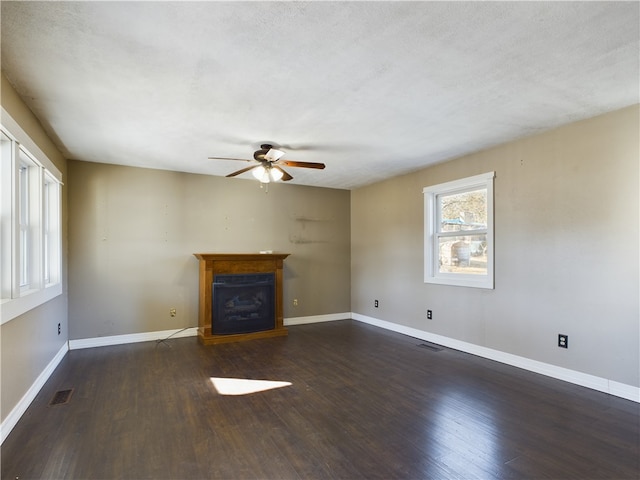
131, 338
578, 378
12, 419
331, 317
189, 332
623, 390
600, 384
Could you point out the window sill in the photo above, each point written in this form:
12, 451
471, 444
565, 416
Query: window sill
462, 282
14, 307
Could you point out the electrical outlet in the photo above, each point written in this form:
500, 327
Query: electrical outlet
59, 329
172, 312
429, 315
375, 303
563, 340
295, 302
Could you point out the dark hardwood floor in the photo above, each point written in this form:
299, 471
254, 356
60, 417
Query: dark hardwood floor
363, 403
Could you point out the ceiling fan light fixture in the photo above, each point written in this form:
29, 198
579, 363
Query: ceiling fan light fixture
275, 174
267, 174
261, 174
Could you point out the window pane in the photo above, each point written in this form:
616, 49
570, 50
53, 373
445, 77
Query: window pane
463, 211
23, 215
46, 214
463, 254
24, 194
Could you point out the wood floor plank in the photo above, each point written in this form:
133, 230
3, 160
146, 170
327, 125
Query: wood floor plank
363, 403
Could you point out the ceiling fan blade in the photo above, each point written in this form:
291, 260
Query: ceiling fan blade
241, 171
292, 163
285, 176
227, 158
273, 155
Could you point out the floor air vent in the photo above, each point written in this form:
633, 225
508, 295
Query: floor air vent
430, 346
61, 397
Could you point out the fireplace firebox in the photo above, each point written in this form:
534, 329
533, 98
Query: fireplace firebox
240, 296
243, 303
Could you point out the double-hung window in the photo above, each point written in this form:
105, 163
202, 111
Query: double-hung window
459, 232
30, 224
28, 220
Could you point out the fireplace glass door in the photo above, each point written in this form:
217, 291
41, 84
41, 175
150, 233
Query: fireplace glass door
243, 303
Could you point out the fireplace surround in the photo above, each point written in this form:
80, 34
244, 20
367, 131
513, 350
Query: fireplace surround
240, 296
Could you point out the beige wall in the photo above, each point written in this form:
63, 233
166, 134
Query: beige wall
30, 342
133, 232
566, 255
567, 260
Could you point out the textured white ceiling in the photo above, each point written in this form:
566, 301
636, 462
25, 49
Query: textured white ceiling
372, 89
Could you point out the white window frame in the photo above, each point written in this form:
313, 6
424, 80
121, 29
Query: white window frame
52, 235
30, 226
29, 214
432, 232
23, 223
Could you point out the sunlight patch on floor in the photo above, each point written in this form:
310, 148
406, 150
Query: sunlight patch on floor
244, 386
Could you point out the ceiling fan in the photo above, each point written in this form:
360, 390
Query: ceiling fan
267, 164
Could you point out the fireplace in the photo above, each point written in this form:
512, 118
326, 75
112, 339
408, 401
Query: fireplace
243, 303
240, 296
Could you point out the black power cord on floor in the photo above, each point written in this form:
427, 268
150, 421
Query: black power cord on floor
164, 340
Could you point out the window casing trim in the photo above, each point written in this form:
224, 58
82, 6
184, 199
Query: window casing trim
15, 131
432, 234
44, 281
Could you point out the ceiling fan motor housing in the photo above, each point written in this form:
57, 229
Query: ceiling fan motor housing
260, 154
